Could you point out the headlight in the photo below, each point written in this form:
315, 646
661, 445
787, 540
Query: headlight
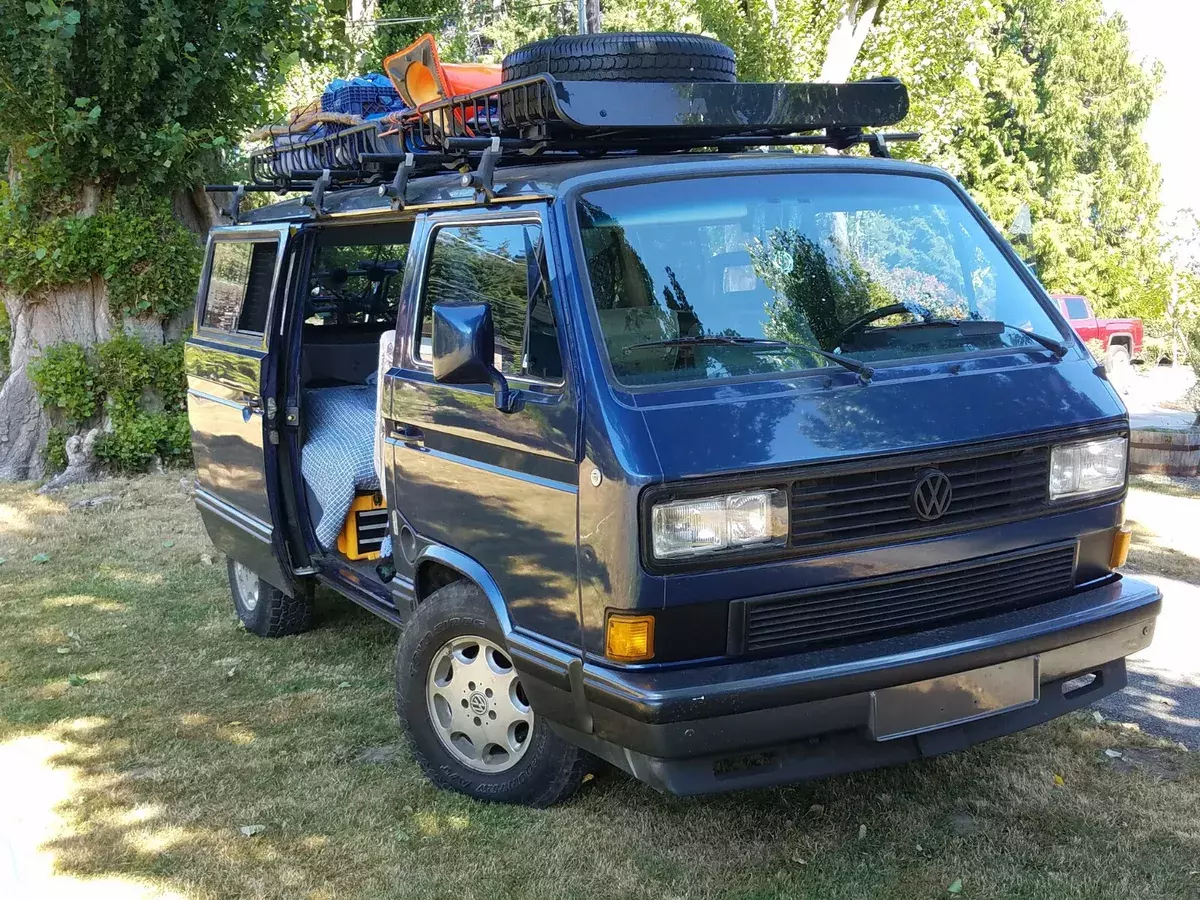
1088, 467
712, 524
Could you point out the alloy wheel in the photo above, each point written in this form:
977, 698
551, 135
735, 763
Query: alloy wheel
477, 705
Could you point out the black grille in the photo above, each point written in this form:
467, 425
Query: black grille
915, 601
864, 508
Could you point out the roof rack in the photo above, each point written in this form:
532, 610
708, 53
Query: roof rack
543, 119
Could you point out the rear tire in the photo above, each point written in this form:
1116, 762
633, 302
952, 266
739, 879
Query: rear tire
650, 56
458, 697
263, 608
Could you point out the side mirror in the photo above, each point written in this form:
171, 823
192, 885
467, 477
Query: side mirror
464, 342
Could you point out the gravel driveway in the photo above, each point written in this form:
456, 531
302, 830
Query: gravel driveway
1163, 696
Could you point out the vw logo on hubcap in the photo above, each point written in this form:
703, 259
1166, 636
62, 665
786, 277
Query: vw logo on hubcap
931, 495
478, 703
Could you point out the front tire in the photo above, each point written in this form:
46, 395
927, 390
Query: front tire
460, 700
263, 608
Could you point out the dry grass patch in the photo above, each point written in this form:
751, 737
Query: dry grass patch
176, 728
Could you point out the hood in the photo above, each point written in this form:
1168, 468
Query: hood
728, 428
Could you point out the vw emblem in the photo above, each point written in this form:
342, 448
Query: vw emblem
478, 703
931, 495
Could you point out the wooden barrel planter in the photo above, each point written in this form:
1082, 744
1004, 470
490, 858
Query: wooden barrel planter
1165, 452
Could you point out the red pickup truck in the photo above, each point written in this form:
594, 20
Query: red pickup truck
1121, 337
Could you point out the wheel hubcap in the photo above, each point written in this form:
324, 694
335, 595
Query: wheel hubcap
247, 585
477, 705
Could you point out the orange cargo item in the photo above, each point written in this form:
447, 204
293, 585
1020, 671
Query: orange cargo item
420, 77
365, 528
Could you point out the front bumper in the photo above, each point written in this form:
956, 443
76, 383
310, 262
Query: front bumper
762, 722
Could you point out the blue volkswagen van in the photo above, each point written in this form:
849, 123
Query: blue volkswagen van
663, 443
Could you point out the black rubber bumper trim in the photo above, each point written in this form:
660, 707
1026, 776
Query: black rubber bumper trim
705, 692
841, 751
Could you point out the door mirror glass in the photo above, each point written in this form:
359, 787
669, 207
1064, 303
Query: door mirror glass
464, 340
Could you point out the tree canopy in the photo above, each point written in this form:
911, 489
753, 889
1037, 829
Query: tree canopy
112, 109
116, 91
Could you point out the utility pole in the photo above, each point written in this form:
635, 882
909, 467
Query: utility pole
583, 17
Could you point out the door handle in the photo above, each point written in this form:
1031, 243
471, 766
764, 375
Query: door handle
412, 436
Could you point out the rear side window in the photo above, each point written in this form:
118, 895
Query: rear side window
239, 286
502, 265
1076, 308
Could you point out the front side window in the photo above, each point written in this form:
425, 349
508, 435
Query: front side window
239, 286
502, 265
725, 277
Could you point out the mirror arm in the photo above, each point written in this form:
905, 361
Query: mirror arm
507, 399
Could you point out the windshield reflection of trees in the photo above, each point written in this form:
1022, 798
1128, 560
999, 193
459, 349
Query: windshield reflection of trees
798, 286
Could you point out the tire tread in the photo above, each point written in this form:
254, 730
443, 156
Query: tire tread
277, 614
661, 56
461, 607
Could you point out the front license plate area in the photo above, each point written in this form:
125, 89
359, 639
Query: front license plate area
953, 699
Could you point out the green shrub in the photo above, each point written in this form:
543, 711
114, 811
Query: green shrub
1193, 359
136, 439
1155, 350
148, 259
66, 382
166, 365
176, 445
55, 451
5, 341
117, 376
126, 369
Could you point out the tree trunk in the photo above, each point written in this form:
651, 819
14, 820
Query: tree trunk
593, 16
853, 26
78, 313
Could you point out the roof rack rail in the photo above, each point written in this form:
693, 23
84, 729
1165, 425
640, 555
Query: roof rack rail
541, 118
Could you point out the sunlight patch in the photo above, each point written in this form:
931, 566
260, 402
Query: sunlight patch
101, 604
36, 790
132, 576
89, 723
141, 813
19, 519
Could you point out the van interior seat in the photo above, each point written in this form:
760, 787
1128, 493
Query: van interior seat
338, 456
342, 451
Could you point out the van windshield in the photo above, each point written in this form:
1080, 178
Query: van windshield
865, 265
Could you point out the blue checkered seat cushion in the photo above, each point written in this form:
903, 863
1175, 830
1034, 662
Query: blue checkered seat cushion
338, 457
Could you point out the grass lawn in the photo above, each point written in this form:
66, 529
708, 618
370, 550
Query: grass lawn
141, 728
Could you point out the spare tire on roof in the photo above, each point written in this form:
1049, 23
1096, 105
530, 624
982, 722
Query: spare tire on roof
646, 56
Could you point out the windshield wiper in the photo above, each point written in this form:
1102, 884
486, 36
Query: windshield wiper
978, 327
864, 371
986, 326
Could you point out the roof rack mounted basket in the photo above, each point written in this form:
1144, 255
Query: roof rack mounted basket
542, 110
541, 117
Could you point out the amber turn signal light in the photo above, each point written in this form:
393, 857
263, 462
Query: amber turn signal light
629, 638
1120, 547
